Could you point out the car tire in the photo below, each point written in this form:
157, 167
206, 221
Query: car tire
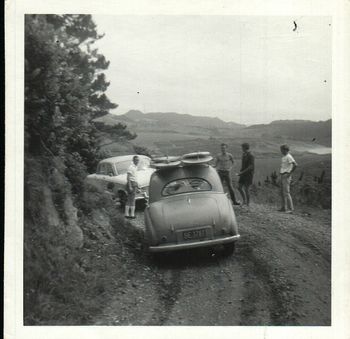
229, 249
122, 198
141, 204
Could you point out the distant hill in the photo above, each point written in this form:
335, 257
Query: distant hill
172, 122
183, 119
173, 128
319, 132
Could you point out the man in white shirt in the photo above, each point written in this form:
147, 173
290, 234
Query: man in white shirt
288, 166
223, 164
131, 187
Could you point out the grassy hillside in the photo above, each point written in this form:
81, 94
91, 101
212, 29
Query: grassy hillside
262, 147
172, 123
64, 241
181, 119
320, 132
167, 126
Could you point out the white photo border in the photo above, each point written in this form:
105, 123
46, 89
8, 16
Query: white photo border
14, 61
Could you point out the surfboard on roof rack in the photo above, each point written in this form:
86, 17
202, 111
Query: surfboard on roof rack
166, 162
196, 158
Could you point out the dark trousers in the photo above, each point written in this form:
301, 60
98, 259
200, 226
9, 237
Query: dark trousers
225, 176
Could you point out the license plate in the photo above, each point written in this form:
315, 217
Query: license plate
195, 234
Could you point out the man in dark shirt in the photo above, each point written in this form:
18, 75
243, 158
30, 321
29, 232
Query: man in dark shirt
223, 164
246, 173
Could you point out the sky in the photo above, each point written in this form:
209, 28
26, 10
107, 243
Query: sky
249, 70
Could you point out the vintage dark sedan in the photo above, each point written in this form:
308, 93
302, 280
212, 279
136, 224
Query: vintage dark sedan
187, 209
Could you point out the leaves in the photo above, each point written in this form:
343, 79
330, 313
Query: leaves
65, 89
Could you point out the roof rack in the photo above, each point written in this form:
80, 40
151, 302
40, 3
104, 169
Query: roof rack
195, 158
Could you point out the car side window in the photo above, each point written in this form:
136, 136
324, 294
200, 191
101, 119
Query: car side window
102, 169
105, 169
185, 186
109, 170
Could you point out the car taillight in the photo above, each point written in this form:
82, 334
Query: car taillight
144, 191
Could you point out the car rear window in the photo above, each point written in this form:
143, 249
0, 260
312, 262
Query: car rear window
185, 186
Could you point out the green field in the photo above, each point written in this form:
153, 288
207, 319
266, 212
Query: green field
266, 151
306, 189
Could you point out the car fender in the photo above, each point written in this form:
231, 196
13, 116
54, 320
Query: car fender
234, 224
150, 234
119, 180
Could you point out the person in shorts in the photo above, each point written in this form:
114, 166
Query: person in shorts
132, 188
288, 166
246, 173
223, 164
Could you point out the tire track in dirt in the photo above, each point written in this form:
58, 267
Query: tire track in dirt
267, 289
168, 289
317, 250
209, 295
279, 275
296, 254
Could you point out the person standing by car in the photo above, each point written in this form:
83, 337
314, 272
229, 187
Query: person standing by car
246, 173
223, 164
288, 166
131, 188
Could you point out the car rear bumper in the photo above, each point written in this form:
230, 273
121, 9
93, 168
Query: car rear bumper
143, 194
189, 245
141, 197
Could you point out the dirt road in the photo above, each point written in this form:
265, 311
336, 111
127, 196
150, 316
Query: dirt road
279, 275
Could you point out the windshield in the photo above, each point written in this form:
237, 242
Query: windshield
185, 186
122, 166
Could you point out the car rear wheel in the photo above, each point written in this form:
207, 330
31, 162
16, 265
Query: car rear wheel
141, 204
229, 249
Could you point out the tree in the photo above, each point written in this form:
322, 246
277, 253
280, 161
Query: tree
117, 132
64, 88
143, 151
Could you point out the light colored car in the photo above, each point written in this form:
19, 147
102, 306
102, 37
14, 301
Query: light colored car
111, 174
188, 208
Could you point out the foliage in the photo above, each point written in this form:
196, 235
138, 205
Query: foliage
94, 198
305, 193
117, 133
75, 171
142, 150
65, 90
66, 284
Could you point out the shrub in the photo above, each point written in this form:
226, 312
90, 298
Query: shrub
76, 172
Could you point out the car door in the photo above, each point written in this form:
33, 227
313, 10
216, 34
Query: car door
104, 175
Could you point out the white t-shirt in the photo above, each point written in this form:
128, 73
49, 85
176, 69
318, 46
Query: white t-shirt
287, 163
132, 171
